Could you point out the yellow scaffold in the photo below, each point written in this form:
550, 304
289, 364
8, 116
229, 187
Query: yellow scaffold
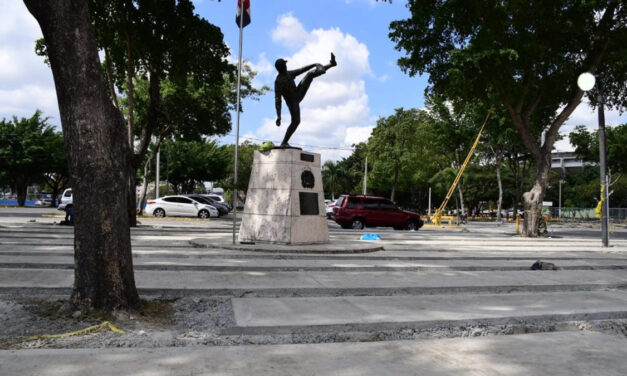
436, 218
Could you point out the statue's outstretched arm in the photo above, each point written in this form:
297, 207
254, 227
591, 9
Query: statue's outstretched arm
302, 70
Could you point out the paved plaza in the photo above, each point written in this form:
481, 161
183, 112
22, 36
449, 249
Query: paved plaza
435, 301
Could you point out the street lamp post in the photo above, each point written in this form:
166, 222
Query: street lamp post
586, 81
559, 213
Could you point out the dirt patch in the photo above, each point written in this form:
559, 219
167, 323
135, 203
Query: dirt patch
199, 320
28, 323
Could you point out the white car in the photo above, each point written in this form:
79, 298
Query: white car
328, 206
215, 197
66, 199
180, 206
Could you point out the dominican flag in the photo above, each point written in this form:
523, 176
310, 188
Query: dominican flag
246, 18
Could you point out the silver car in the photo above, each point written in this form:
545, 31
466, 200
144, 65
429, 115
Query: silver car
180, 206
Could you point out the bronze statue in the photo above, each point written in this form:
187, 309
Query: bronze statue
285, 87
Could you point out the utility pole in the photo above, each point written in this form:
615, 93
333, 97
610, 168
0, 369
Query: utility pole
559, 212
157, 175
365, 189
586, 82
429, 202
243, 7
605, 206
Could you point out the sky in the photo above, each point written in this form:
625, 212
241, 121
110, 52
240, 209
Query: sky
341, 107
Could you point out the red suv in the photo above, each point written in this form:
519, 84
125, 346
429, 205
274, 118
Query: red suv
358, 212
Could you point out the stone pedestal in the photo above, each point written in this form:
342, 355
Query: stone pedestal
285, 199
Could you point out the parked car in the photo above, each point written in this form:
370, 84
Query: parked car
215, 197
329, 205
222, 208
180, 206
218, 199
66, 198
510, 213
358, 212
44, 199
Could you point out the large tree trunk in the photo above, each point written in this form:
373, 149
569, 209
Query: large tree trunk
142, 195
460, 192
535, 196
499, 203
21, 189
56, 182
131, 204
99, 158
144, 142
395, 183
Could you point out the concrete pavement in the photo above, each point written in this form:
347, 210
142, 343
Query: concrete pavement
426, 284
555, 354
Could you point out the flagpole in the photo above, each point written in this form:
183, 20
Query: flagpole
239, 78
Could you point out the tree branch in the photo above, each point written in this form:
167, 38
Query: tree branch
114, 97
532, 107
153, 109
522, 126
130, 73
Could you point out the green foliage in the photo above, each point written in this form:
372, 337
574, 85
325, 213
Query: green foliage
405, 151
586, 145
247, 90
267, 146
170, 64
520, 56
189, 112
190, 163
42, 50
244, 166
512, 51
162, 38
346, 175
456, 125
431, 146
29, 148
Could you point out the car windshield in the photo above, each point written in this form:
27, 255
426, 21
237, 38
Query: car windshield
339, 201
200, 199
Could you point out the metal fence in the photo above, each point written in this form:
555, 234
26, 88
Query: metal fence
586, 214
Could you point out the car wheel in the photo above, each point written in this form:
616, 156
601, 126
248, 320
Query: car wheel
357, 224
412, 225
203, 214
159, 213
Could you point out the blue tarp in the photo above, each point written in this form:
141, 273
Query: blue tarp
14, 202
370, 237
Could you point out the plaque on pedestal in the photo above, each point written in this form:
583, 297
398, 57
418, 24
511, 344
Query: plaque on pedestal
285, 199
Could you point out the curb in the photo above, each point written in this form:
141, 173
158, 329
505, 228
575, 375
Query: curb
328, 248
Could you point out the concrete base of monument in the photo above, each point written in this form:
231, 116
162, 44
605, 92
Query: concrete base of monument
339, 247
285, 199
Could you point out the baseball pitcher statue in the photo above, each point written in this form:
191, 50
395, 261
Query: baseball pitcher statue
293, 94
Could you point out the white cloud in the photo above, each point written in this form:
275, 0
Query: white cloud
584, 114
18, 101
262, 66
355, 135
335, 112
383, 78
289, 31
26, 83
